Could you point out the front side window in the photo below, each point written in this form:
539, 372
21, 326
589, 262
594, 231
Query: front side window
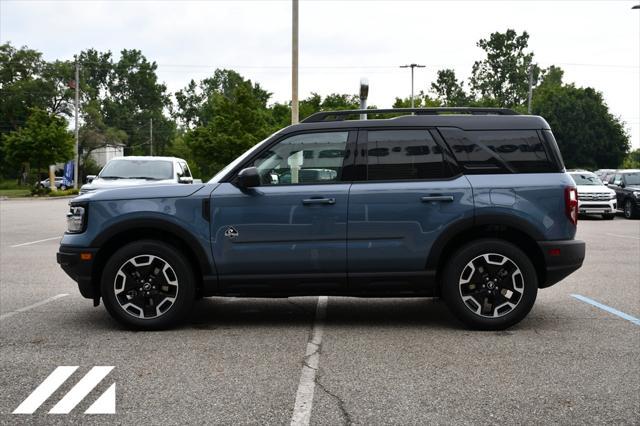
404, 155
304, 159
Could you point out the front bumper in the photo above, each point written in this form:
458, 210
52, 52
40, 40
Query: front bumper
561, 258
596, 207
80, 270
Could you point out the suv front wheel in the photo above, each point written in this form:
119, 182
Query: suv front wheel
490, 284
148, 285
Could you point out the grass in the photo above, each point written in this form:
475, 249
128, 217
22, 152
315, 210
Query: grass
13, 193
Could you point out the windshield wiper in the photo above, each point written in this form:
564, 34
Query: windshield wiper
142, 177
110, 177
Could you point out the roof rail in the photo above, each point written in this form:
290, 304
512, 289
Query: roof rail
341, 115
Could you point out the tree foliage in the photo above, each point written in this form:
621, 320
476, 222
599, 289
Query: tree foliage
588, 135
42, 141
448, 90
503, 74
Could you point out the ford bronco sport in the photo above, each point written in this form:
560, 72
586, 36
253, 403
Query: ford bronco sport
472, 205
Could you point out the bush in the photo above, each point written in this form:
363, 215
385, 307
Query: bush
38, 191
65, 193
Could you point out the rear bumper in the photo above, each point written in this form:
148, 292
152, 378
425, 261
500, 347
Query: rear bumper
561, 259
79, 270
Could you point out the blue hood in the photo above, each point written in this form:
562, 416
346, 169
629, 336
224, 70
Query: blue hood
142, 192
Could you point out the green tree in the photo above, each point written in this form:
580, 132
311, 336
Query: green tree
44, 140
632, 160
231, 116
448, 90
95, 134
503, 75
588, 135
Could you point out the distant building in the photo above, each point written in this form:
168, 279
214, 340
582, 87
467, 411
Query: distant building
102, 155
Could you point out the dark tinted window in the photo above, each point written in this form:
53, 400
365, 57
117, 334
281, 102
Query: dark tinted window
500, 151
404, 154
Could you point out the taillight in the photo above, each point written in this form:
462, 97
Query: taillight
571, 203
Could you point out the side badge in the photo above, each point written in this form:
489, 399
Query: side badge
231, 232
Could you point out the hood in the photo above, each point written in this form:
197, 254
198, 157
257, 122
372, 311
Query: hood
591, 189
98, 183
175, 190
632, 188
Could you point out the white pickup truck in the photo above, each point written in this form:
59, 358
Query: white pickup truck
134, 171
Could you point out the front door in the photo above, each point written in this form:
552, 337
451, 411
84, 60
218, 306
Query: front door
291, 231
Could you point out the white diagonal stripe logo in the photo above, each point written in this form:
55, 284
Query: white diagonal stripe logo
81, 389
45, 390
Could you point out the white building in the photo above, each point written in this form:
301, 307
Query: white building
102, 155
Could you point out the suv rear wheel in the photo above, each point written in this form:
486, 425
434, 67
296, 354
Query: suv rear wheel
490, 284
148, 285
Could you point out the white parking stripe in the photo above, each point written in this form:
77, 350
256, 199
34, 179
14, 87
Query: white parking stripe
45, 390
304, 396
35, 305
81, 389
623, 236
36, 242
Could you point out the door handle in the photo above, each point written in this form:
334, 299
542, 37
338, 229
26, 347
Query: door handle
313, 201
444, 198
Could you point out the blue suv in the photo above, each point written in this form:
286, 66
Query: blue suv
471, 205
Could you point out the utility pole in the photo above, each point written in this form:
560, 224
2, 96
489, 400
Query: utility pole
76, 174
530, 88
294, 63
151, 136
412, 66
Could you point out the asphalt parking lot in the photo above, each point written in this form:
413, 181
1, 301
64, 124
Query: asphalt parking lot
401, 361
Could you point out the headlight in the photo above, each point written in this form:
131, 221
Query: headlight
76, 219
636, 194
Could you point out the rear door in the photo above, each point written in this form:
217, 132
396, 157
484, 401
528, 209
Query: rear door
408, 195
292, 230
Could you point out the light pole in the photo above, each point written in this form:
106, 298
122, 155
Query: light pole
364, 93
294, 62
412, 66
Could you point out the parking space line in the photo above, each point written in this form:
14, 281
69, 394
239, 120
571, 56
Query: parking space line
304, 396
36, 242
609, 309
35, 305
622, 236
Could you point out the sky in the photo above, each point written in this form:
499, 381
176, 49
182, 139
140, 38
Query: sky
597, 43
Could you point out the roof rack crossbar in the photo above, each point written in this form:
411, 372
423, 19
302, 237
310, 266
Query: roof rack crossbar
342, 114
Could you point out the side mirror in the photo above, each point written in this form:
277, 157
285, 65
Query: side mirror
248, 178
90, 178
622, 184
185, 179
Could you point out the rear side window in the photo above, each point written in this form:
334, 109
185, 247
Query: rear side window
500, 151
404, 155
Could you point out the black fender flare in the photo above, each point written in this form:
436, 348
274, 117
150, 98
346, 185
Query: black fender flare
166, 226
455, 229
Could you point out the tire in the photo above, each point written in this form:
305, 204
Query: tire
608, 216
629, 209
143, 298
475, 272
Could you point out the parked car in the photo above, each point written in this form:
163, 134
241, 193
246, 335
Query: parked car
604, 173
135, 171
59, 182
470, 204
626, 184
594, 197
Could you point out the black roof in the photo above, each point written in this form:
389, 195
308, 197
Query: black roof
462, 121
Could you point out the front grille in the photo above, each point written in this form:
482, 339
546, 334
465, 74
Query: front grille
595, 196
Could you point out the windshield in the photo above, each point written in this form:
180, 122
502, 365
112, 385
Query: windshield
237, 161
586, 179
137, 169
632, 178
